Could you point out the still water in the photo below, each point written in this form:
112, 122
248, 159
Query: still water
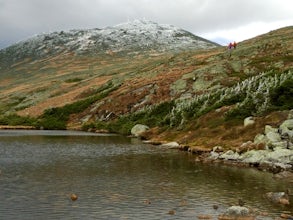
116, 177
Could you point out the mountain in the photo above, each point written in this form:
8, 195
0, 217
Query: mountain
132, 37
192, 92
65, 65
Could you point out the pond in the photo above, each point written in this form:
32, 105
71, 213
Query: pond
116, 177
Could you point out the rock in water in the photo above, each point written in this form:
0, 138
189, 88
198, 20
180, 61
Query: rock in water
278, 197
236, 212
73, 197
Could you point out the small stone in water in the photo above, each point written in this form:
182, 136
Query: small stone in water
73, 197
171, 212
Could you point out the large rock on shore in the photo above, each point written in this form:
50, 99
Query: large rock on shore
248, 121
280, 138
286, 129
139, 129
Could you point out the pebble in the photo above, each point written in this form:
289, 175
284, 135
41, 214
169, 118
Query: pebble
73, 197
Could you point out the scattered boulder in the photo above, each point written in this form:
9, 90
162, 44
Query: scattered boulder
278, 197
139, 129
248, 121
218, 149
271, 138
284, 156
171, 145
280, 138
286, 129
214, 155
230, 155
269, 128
259, 138
280, 145
253, 156
286, 216
237, 212
249, 145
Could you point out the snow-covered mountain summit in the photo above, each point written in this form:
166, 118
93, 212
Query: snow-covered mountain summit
131, 37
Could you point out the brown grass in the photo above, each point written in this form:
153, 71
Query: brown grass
212, 130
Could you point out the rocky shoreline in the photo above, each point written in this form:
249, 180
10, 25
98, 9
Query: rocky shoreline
270, 151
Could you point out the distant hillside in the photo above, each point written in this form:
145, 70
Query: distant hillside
182, 86
133, 37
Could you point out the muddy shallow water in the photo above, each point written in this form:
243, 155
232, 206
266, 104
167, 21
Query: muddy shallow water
116, 177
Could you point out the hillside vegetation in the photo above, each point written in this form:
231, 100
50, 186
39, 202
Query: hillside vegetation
196, 95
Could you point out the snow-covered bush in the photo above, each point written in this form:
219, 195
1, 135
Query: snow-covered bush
250, 97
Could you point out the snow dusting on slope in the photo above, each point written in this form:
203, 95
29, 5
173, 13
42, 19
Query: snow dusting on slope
131, 37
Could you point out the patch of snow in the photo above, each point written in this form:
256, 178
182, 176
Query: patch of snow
132, 37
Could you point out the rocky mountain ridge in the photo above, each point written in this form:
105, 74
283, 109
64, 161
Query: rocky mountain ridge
127, 38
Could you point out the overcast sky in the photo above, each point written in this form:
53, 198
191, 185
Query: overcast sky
218, 20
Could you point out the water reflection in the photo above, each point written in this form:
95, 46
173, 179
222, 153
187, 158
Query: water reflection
118, 178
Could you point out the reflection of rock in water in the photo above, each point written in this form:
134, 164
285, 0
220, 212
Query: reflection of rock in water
279, 197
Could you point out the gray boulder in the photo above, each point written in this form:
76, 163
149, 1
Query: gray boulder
171, 145
214, 155
284, 156
230, 155
237, 211
269, 128
248, 121
290, 115
139, 129
278, 197
286, 129
280, 145
259, 138
254, 156
271, 138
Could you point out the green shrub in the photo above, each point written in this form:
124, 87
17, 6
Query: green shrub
73, 80
14, 119
56, 118
282, 96
158, 115
52, 123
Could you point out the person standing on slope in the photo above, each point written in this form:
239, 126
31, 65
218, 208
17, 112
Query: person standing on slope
230, 46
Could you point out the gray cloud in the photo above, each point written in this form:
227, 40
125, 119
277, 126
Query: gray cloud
20, 19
